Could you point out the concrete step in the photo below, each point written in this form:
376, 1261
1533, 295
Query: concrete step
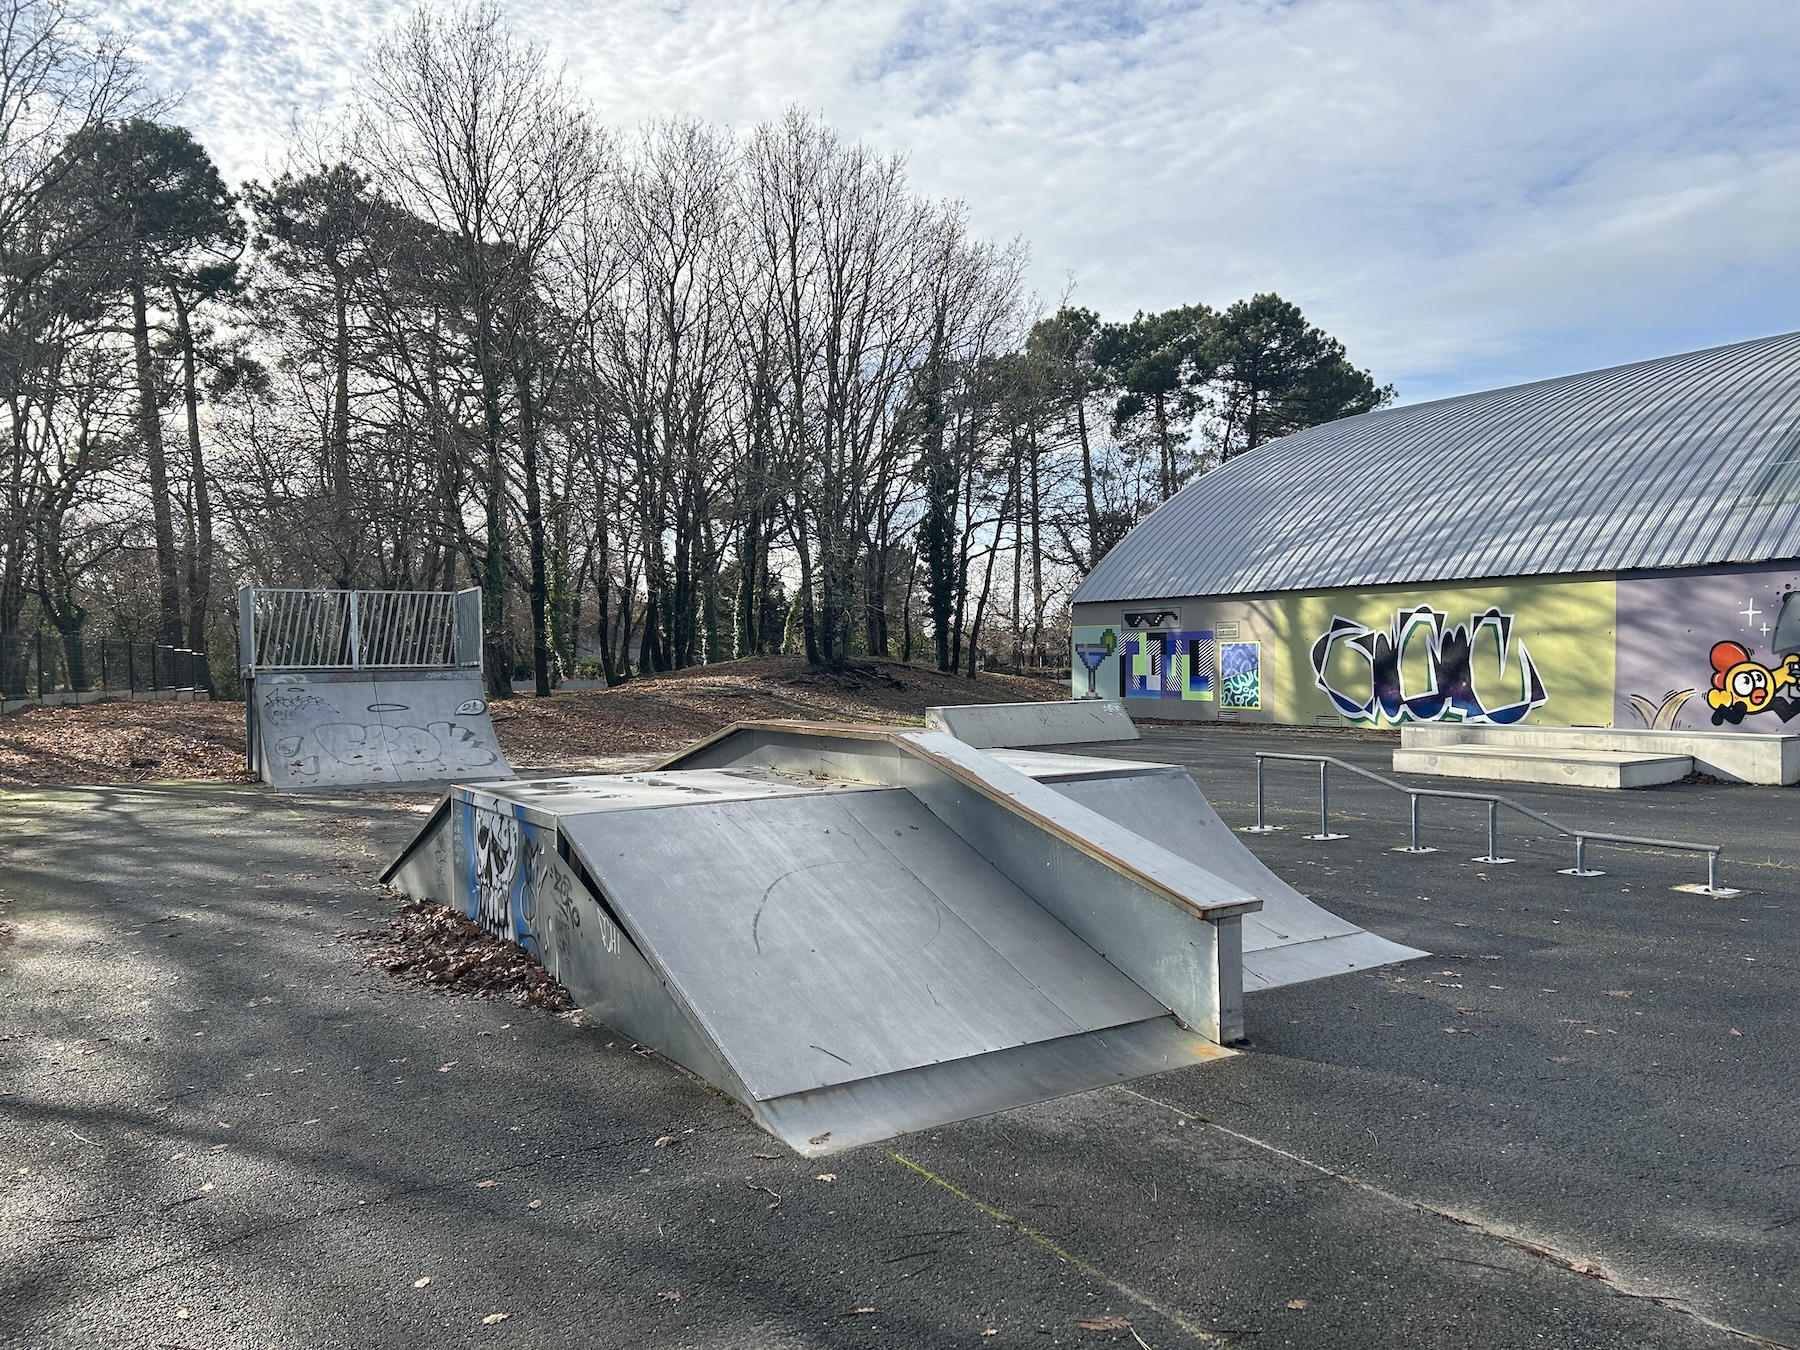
1740, 755
1573, 768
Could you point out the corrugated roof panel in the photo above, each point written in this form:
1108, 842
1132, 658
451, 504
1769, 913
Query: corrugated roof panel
1650, 465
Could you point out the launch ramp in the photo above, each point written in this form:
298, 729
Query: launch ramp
855, 932
1079, 721
365, 688
1290, 939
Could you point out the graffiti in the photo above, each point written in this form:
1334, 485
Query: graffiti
1092, 655
287, 702
1743, 686
495, 859
1449, 693
445, 746
1660, 714
1170, 665
1240, 675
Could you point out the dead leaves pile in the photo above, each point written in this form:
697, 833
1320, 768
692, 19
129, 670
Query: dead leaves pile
117, 741
431, 945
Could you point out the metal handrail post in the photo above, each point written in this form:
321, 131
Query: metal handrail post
1492, 857
1262, 826
1580, 869
1325, 805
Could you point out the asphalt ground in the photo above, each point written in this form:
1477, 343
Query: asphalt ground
1573, 1126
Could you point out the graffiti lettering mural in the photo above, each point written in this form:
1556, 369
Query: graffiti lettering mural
1447, 691
1170, 665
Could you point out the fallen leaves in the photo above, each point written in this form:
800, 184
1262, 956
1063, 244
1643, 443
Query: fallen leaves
860, 1312
492, 1318
433, 945
826, 1176
1296, 1303
535, 1204
483, 1185
663, 1141
1111, 1322
819, 1138
670, 1296
421, 1282
1618, 993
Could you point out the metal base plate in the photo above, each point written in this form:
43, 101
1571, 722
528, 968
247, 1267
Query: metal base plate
1578, 872
1493, 862
1717, 892
1324, 836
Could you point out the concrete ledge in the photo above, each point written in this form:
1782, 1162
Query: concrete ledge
990, 726
1573, 768
1744, 757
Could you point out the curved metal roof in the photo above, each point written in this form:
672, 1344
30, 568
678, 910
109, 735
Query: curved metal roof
1676, 462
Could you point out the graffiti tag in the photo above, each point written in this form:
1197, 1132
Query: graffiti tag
1450, 694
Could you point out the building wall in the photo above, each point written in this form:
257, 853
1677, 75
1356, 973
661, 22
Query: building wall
1532, 650
1671, 626
1637, 651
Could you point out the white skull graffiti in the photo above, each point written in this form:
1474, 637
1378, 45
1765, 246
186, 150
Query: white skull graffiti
497, 857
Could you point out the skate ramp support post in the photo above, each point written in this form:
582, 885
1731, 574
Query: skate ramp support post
1168, 924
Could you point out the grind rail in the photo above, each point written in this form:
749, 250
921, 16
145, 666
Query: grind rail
1494, 803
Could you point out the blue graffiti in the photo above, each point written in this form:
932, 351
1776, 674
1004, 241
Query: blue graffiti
1451, 696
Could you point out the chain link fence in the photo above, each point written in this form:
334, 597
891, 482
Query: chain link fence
40, 665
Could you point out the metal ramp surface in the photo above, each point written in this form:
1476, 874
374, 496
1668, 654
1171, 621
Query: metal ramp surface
1291, 939
854, 933
859, 932
313, 730
346, 688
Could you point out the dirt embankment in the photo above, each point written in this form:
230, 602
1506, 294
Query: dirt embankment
117, 742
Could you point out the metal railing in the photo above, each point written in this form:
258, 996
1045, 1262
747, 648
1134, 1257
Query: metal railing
42, 665
318, 629
1494, 803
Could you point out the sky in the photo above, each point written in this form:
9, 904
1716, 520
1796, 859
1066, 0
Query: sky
1466, 193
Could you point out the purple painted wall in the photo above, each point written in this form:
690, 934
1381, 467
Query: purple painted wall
1669, 633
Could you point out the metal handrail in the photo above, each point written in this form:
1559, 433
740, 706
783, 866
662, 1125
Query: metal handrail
1494, 803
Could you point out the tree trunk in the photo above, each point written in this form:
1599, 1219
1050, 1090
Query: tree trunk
150, 431
200, 577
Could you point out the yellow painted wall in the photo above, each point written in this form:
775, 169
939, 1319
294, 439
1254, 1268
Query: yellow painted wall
1565, 625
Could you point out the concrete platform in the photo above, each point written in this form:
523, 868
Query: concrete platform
1738, 756
1574, 768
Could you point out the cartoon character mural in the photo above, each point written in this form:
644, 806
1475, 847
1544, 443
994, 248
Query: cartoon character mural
1448, 693
1743, 686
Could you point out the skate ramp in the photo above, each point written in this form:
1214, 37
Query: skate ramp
1068, 722
854, 932
1290, 939
316, 730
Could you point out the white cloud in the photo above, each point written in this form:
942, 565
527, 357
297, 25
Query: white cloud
1466, 193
